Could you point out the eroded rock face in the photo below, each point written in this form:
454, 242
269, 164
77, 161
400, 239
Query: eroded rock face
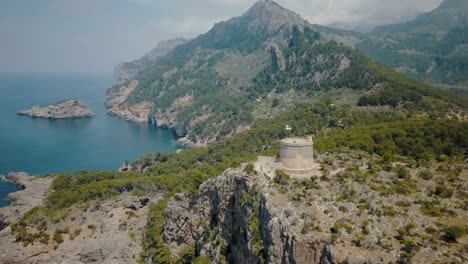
116, 101
139, 113
118, 96
66, 109
31, 191
222, 220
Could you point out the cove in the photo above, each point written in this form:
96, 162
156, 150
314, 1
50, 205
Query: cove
39, 146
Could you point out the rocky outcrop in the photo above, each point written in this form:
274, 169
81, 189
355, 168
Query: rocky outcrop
107, 232
66, 109
31, 191
118, 96
277, 58
116, 101
139, 113
341, 217
235, 215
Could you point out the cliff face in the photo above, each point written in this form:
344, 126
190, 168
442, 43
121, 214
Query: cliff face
117, 96
342, 217
234, 218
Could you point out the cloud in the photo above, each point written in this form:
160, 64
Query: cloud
185, 27
344, 13
358, 13
90, 35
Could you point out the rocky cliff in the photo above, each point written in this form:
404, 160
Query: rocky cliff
66, 109
237, 218
117, 96
246, 218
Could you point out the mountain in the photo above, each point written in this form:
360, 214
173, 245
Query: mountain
129, 70
433, 47
450, 14
391, 186
254, 67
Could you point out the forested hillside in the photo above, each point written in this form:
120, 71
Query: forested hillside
386, 138
433, 47
256, 67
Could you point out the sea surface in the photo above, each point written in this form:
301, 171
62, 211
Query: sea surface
38, 146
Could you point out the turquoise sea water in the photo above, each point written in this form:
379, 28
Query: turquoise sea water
39, 146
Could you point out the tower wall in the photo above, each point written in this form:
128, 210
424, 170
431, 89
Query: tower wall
297, 154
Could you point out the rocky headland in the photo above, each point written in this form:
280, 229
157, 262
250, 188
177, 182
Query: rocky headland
65, 109
107, 232
31, 192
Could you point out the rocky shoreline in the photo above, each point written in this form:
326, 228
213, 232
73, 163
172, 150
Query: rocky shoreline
31, 192
65, 109
106, 232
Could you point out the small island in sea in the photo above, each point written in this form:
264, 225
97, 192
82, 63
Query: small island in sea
65, 109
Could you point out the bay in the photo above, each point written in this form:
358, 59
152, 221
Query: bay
39, 146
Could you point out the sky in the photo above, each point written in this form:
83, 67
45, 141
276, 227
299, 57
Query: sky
96, 35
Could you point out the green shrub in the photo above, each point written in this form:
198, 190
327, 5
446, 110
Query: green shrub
77, 232
425, 174
443, 191
453, 232
58, 237
281, 177
250, 169
402, 172
201, 260
187, 255
410, 247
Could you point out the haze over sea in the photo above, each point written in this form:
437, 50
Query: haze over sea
38, 146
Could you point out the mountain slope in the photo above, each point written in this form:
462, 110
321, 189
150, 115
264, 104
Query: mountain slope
129, 70
433, 47
450, 14
254, 67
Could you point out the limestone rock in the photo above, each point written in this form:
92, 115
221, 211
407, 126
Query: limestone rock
217, 221
65, 109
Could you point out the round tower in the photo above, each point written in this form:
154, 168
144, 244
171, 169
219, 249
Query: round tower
297, 154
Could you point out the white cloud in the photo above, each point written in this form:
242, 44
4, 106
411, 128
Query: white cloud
90, 35
185, 27
354, 13
325, 12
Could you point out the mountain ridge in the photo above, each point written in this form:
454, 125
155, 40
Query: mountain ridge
252, 67
450, 14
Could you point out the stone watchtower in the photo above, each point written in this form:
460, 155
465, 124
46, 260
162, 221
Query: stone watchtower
297, 156
296, 159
